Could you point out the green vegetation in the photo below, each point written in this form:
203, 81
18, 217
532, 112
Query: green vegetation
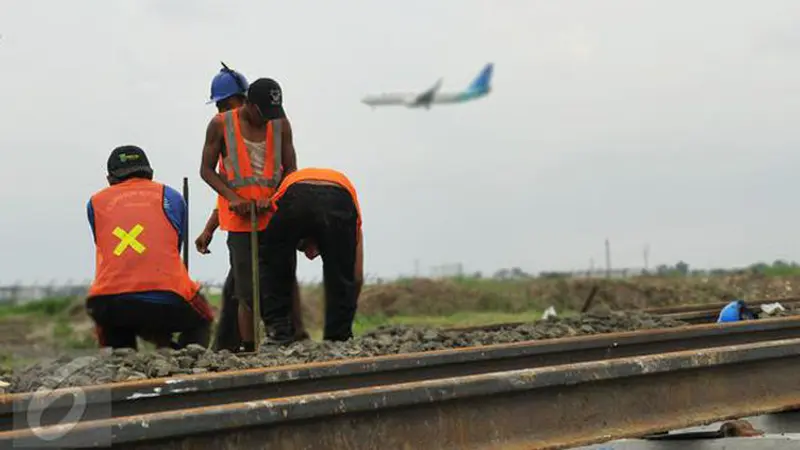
67, 336
49, 307
779, 268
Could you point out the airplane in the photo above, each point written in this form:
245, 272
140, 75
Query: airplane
479, 87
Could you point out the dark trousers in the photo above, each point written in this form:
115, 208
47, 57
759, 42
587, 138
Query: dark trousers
241, 272
227, 336
327, 215
120, 320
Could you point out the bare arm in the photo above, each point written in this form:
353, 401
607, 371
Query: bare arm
212, 148
213, 221
359, 278
204, 240
288, 155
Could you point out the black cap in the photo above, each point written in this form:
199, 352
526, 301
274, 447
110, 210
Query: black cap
126, 160
267, 95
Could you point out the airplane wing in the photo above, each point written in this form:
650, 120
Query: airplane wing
427, 97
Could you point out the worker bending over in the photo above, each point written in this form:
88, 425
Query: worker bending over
141, 287
735, 311
252, 147
228, 92
316, 211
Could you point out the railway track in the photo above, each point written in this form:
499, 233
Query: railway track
708, 313
531, 393
705, 307
695, 314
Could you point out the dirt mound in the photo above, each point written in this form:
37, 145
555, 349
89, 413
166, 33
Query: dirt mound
125, 364
445, 297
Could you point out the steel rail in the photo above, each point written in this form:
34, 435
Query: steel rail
210, 389
695, 314
716, 306
553, 407
711, 313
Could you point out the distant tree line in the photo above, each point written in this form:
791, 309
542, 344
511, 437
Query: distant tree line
679, 269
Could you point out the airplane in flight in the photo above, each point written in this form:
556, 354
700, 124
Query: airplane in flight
480, 87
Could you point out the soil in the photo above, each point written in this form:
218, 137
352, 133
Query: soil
444, 297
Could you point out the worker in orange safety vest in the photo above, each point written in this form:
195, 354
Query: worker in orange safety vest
228, 92
255, 145
141, 287
316, 211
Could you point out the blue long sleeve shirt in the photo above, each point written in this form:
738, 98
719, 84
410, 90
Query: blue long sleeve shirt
175, 209
732, 312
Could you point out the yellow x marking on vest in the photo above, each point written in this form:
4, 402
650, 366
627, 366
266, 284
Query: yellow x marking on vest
128, 239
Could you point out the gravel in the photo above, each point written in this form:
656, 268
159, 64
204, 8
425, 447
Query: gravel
107, 366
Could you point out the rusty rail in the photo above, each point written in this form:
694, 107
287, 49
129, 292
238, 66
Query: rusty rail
552, 407
695, 314
158, 395
139, 397
716, 306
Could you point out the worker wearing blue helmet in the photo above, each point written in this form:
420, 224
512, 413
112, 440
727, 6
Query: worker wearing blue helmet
735, 311
229, 91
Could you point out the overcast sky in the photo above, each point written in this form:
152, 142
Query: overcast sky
668, 123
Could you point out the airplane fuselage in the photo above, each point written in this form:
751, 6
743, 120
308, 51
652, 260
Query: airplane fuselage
411, 101
480, 87
445, 98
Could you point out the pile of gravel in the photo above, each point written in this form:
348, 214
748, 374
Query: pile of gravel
126, 364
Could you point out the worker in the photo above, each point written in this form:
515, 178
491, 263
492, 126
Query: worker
228, 91
141, 287
316, 211
735, 311
252, 145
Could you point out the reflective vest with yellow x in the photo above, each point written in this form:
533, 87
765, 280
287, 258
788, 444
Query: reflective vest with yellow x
128, 239
136, 244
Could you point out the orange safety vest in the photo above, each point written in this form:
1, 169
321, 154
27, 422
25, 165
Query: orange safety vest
136, 244
236, 168
318, 174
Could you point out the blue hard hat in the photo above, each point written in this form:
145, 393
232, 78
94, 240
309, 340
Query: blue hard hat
226, 84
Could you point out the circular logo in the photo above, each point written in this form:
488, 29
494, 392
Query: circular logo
43, 397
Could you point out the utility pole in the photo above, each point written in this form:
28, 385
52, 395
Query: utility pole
416, 268
647, 257
608, 259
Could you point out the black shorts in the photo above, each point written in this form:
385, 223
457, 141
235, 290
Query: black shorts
242, 268
121, 319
